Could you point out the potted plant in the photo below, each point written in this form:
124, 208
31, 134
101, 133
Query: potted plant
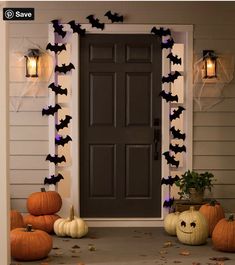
193, 185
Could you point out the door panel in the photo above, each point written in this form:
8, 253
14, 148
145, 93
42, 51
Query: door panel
120, 86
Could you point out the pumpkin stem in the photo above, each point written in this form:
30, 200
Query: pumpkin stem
191, 208
43, 190
71, 217
213, 202
230, 218
29, 228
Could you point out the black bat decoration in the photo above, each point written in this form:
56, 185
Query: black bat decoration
168, 96
63, 123
59, 140
171, 77
168, 203
64, 68
170, 180
53, 179
114, 17
56, 48
177, 134
58, 89
51, 110
168, 44
160, 32
176, 113
174, 59
56, 159
171, 159
77, 28
95, 22
177, 149
58, 28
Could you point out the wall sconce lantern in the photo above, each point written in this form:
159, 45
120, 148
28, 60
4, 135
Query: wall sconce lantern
209, 59
32, 63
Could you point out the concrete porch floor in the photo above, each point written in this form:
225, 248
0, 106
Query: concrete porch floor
129, 246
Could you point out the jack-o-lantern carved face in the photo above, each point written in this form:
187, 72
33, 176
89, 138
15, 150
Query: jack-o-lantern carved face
192, 228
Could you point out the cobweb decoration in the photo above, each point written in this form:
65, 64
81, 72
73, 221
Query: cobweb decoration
31, 85
209, 92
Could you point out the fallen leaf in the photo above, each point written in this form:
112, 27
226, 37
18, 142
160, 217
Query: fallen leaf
75, 246
55, 248
65, 240
163, 252
167, 244
91, 247
184, 252
219, 258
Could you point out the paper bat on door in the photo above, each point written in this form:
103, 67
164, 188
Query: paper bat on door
59, 140
53, 179
177, 149
160, 32
174, 59
168, 96
95, 22
171, 77
177, 134
64, 68
56, 48
171, 159
56, 159
63, 123
114, 17
77, 28
176, 113
168, 44
51, 110
58, 28
58, 89
168, 203
170, 180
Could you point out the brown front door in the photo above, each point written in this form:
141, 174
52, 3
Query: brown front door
120, 156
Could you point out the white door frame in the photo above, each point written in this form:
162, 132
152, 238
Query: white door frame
4, 179
73, 39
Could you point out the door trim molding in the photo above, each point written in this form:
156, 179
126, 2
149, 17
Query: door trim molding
75, 171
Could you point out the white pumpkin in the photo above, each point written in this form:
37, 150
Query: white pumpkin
73, 226
170, 223
192, 227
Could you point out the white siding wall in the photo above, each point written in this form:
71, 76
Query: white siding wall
214, 130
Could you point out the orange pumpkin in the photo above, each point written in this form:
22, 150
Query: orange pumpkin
28, 244
44, 202
16, 219
223, 236
213, 212
42, 222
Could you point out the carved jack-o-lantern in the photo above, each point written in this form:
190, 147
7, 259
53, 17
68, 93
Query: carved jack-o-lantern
192, 228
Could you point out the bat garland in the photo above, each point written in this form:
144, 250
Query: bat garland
63, 123
56, 48
55, 159
64, 68
168, 203
77, 28
95, 22
171, 77
113, 17
51, 110
58, 28
176, 113
171, 159
160, 32
168, 96
170, 180
168, 44
58, 89
177, 134
53, 179
59, 140
174, 59
177, 149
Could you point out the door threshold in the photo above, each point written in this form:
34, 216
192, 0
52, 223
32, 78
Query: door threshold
124, 222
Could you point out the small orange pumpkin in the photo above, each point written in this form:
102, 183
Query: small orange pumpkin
42, 222
28, 244
223, 236
44, 202
213, 212
16, 219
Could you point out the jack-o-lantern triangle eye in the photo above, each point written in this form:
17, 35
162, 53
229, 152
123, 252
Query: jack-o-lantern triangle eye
183, 223
193, 224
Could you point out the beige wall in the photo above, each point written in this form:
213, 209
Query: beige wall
214, 130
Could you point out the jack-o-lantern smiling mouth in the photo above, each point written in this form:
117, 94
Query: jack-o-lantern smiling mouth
185, 231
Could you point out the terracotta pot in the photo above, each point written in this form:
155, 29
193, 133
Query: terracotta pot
196, 196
